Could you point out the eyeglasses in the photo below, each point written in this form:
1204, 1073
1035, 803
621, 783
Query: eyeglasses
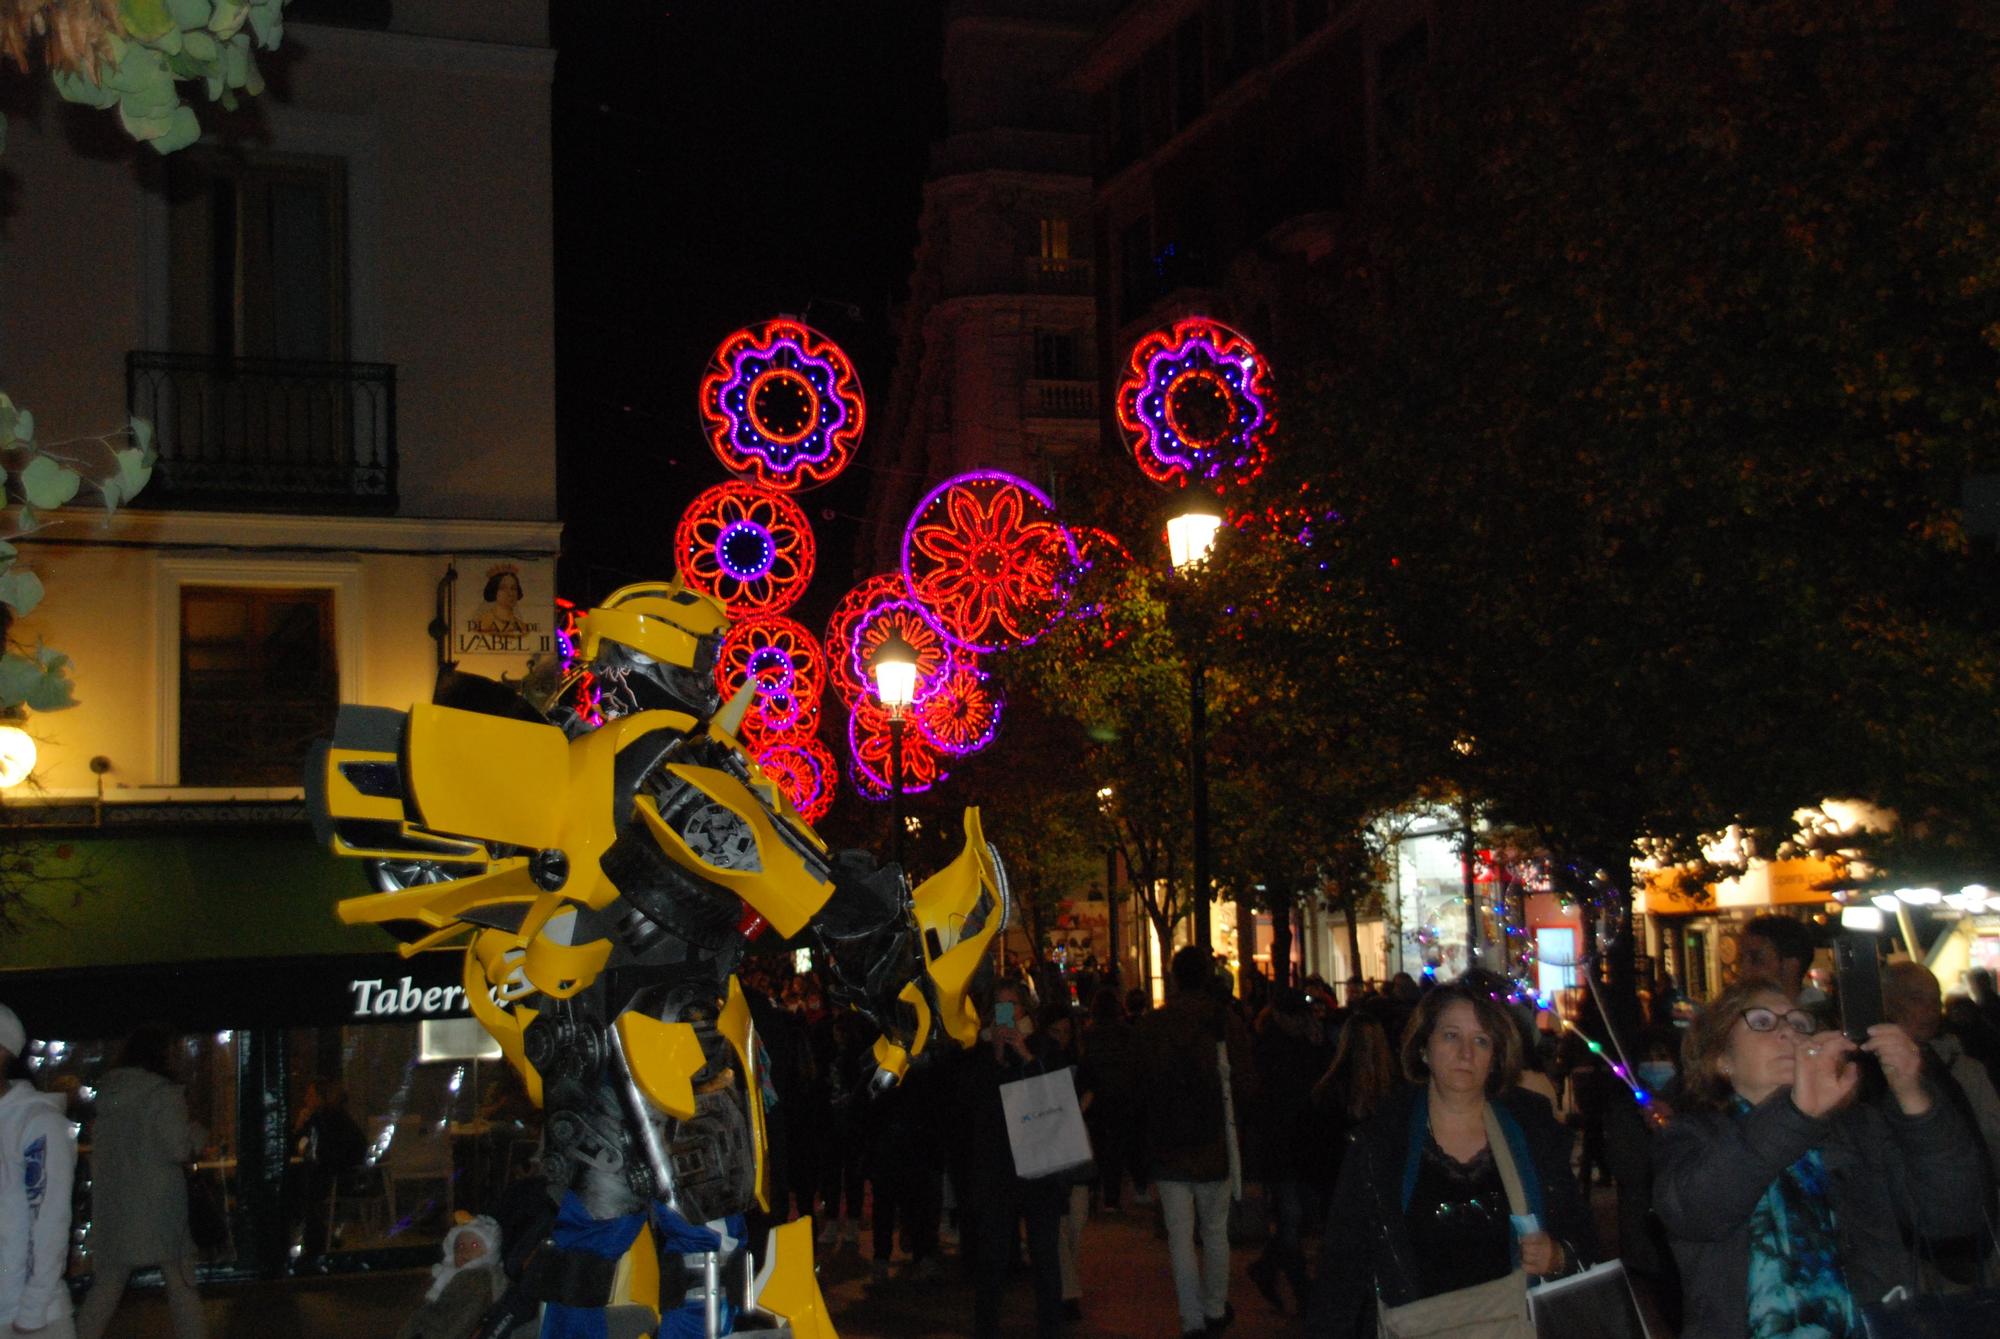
1766, 1020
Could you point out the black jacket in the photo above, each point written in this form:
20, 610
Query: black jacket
1885, 1170
1367, 1244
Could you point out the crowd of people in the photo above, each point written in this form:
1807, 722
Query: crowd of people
1440, 1141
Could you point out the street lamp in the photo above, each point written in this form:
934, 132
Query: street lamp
1190, 540
894, 666
1104, 799
17, 756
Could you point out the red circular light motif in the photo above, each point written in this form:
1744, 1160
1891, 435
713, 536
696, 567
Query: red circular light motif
869, 735
789, 667
801, 767
963, 715
781, 403
1196, 405
985, 556
750, 548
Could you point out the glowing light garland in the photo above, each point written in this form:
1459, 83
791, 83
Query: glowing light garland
963, 715
987, 559
875, 625
585, 703
790, 671
750, 548
868, 743
782, 404
801, 767
1196, 405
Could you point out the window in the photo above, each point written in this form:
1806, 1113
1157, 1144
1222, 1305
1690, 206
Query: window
1056, 356
258, 683
1055, 239
1135, 267
257, 256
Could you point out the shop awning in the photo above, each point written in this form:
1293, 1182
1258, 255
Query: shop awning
1802, 882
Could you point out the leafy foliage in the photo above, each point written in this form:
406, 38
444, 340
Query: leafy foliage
1660, 372
39, 481
135, 54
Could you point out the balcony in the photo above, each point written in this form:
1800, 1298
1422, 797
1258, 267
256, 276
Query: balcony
1072, 400
1068, 275
259, 434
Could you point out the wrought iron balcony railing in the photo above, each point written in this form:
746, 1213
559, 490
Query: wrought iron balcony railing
237, 434
1059, 274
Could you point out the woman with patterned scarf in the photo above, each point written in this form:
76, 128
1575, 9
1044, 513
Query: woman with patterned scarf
1789, 1203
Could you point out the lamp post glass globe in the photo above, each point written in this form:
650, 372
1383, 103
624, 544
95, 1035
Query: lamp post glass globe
17, 756
1191, 536
894, 666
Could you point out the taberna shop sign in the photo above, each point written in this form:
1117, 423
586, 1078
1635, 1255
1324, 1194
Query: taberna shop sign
375, 997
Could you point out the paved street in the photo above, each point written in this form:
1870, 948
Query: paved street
1128, 1294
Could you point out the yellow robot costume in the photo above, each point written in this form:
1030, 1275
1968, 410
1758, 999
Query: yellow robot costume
611, 866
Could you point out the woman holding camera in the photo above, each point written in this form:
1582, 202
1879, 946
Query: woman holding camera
1787, 1201
1423, 1213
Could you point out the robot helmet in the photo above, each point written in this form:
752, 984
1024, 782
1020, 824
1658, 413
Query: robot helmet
657, 634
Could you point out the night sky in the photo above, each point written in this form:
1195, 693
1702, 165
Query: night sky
716, 164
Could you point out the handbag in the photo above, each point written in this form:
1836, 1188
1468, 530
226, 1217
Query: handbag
1966, 1315
1596, 1303
1495, 1309
1045, 1124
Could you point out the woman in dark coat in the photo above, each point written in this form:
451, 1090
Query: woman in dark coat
1788, 1202
1420, 1208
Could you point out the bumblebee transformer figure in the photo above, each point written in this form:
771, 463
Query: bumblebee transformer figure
611, 866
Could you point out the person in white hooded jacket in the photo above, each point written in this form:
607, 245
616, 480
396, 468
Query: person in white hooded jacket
37, 1168
140, 1145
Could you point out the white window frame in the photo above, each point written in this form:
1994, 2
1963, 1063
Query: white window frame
171, 574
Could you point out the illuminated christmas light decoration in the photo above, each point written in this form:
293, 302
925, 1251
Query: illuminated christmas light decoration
880, 621
781, 403
868, 743
585, 701
963, 715
790, 670
840, 626
1102, 564
987, 559
1196, 405
748, 547
801, 767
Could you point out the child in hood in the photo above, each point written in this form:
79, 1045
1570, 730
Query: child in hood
464, 1283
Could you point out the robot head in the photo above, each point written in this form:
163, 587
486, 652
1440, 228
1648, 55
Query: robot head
659, 642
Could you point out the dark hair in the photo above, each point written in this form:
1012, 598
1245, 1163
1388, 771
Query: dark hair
1789, 937
1137, 1002
1193, 968
1104, 1005
1498, 1026
493, 583
149, 1048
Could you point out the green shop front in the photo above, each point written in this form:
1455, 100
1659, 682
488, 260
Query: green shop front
218, 921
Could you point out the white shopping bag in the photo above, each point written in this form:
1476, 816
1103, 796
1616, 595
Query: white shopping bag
1045, 1123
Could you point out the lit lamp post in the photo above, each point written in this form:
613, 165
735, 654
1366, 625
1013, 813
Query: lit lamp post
17, 755
894, 666
1190, 539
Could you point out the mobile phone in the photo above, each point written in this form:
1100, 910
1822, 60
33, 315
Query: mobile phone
1859, 971
1003, 1014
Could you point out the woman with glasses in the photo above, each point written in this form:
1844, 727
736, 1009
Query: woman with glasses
1787, 1200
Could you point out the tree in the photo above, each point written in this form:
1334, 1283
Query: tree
1664, 352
